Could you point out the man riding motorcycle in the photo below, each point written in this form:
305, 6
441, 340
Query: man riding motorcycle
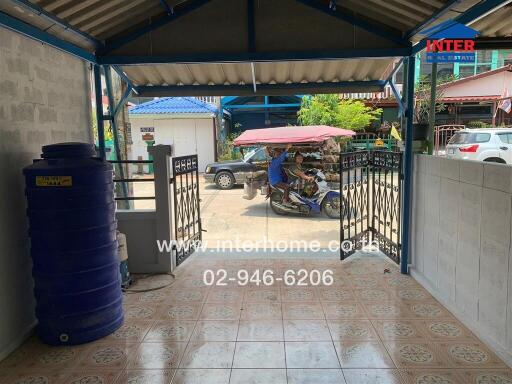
276, 175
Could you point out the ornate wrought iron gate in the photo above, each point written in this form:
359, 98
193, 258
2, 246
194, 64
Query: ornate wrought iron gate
371, 185
187, 213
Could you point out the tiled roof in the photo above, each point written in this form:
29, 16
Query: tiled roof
172, 105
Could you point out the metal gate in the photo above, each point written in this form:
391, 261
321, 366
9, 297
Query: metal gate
371, 185
187, 213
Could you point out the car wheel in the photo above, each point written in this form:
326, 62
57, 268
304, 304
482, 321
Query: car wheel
225, 180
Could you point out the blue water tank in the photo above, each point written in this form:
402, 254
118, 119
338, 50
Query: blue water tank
71, 211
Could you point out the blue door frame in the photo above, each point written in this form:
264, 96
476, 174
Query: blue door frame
408, 165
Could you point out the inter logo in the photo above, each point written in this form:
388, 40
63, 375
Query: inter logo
450, 42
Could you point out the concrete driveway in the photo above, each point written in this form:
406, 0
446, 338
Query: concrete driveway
226, 216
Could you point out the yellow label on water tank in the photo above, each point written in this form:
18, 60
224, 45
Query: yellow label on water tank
54, 181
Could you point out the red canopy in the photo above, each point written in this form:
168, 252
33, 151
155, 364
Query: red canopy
291, 135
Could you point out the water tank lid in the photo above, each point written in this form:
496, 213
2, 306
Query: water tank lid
68, 150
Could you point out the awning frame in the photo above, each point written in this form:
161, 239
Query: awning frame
402, 48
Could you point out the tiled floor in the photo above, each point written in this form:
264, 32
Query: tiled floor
368, 327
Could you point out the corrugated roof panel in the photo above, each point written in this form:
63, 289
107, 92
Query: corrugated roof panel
266, 73
208, 74
498, 23
113, 12
125, 21
237, 73
390, 19
389, 8
173, 105
107, 18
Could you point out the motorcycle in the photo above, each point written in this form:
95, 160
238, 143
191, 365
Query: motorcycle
315, 197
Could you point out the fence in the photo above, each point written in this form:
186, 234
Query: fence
442, 135
125, 195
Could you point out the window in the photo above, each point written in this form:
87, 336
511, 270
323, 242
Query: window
466, 70
484, 57
505, 137
475, 109
504, 57
483, 68
399, 76
482, 137
444, 70
470, 138
259, 155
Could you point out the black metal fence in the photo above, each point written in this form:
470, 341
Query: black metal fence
187, 214
371, 186
355, 213
386, 201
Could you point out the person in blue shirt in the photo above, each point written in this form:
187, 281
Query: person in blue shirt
276, 175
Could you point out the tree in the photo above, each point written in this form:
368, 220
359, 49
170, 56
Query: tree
330, 110
422, 97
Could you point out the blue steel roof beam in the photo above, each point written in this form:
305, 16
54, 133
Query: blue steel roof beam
58, 21
480, 10
30, 31
111, 45
395, 70
167, 7
251, 32
262, 106
257, 56
123, 76
401, 106
439, 13
393, 35
122, 101
263, 89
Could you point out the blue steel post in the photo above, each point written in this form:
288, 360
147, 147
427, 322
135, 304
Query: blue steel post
115, 132
408, 162
99, 110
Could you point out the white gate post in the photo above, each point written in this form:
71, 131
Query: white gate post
163, 203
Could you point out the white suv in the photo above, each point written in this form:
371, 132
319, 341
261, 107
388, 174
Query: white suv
489, 144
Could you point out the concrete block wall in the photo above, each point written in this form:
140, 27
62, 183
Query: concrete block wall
461, 244
44, 98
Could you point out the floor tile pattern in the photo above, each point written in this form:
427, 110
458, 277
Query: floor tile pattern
368, 327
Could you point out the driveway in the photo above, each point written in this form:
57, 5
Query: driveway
226, 215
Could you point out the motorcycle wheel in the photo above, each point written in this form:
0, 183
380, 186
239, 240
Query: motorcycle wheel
333, 207
276, 197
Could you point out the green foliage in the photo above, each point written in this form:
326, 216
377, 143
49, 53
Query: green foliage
330, 110
108, 130
478, 124
226, 149
422, 97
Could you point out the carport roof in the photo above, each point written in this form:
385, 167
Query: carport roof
235, 47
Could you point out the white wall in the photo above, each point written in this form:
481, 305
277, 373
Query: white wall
186, 135
461, 243
44, 98
486, 86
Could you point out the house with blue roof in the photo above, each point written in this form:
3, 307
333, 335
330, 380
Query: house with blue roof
186, 123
